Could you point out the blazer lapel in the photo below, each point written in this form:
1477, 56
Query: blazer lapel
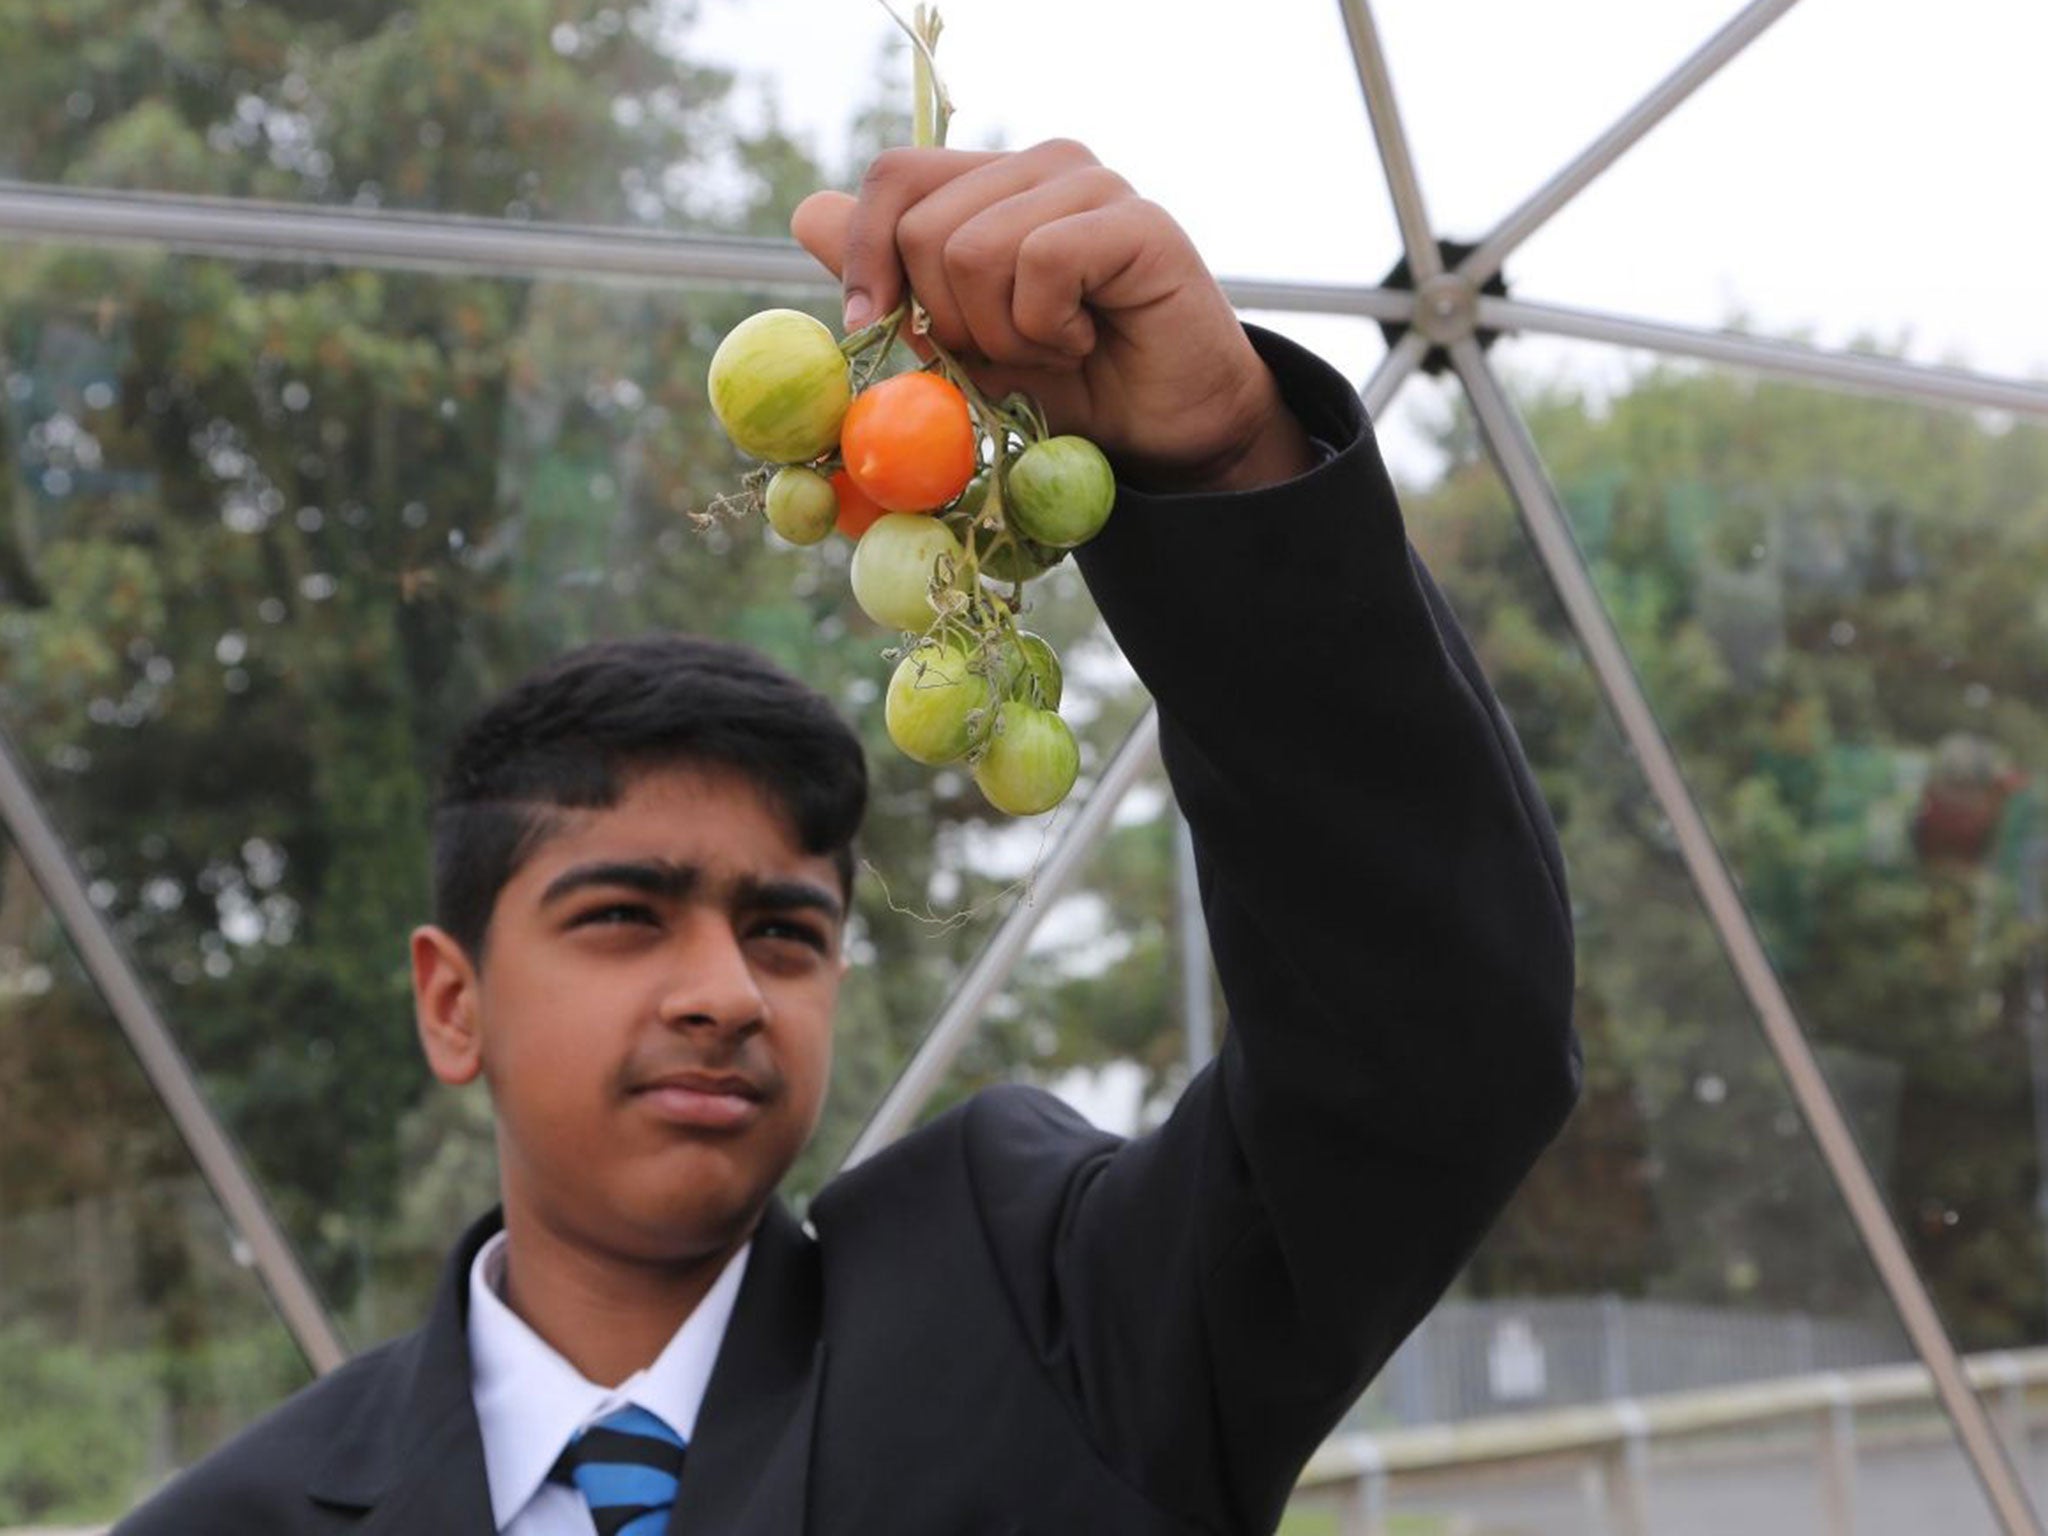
748, 1468
442, 1487
413, 1456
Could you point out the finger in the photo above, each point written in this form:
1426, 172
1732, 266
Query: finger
981, 258
1122, 256
871, 271
820, 225
926, 229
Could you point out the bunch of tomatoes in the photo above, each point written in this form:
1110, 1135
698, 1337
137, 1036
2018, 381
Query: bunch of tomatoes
954, 503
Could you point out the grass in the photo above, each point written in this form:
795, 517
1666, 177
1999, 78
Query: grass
1323, 1522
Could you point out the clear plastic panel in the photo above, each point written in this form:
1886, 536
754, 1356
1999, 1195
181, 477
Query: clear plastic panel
1682, 1233
1682, 1241
585, 112
275, 531
134, 1333
1096, 1012
1717, 1253
1832, 602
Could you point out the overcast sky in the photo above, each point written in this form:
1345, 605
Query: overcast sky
1867, 167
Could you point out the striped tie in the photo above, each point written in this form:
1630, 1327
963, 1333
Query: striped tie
626, 1466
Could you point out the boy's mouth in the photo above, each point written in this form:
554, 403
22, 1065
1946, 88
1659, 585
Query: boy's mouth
708, 1100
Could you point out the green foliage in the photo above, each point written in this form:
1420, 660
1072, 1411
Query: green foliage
561, 109
90, 1428
74, 1430
270, 529
1833, 604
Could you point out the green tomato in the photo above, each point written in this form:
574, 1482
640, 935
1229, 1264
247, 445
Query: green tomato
779, 386
1033, 675
893, 567
1000, 559
1031, 761
1015, 558
802, 506
937, 702
1059, 492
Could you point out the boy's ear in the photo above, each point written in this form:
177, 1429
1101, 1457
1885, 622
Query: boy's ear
445, 1006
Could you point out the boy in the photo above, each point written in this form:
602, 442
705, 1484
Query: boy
1007, 1322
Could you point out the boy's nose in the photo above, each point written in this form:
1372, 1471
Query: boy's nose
712, 984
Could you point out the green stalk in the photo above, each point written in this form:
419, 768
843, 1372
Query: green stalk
932, 108
923, 102
871, 333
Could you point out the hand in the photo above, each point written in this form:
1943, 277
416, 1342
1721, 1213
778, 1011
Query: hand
1043, 271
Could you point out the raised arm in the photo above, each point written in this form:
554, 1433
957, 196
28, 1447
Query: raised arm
1387, 911
1384, 895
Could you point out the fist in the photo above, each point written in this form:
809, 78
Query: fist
1043, 271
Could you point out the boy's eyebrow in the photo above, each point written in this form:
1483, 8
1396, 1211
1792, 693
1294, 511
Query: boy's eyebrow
653, 877
781, 895
677, 882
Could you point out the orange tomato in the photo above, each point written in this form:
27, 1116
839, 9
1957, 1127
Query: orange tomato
856, 510
909, 442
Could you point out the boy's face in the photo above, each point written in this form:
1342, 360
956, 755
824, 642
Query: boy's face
653, 1013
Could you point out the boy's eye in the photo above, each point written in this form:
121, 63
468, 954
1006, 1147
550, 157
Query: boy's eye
613, 914
799, 932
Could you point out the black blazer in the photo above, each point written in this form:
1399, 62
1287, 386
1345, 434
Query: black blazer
1011, 1322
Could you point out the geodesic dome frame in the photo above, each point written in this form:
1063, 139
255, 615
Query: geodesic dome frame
1442, 306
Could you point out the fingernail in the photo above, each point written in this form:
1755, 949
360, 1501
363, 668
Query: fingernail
860, 309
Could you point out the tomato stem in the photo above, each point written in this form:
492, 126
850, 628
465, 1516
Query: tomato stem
997, 426
932, 108
882, 331
1024, 417
979, 618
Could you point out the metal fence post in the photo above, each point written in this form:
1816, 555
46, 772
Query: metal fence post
1627, 1468
1838, 1459
2012, 1401
1365, 1503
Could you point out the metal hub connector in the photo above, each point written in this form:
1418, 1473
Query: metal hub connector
1446, 309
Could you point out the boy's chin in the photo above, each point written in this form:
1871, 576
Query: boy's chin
683, 1211
704, 1223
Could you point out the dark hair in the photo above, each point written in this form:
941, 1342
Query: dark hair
571, 736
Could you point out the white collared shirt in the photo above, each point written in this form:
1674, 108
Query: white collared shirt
530, 1401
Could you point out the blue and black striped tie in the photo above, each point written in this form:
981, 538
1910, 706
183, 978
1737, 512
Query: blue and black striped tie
626, 1466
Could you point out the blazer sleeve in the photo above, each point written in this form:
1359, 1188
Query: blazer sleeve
1387, 911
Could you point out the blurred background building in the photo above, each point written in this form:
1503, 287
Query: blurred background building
352, 361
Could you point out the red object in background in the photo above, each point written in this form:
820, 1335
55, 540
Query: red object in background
1957, 819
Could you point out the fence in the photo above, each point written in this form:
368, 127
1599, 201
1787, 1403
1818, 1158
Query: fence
1612, 1441
1473, 1358
1591, 1386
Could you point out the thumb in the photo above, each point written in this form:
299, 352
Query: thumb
820, 224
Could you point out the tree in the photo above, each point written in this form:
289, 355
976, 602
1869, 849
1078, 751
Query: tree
273, 527
1833, 605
